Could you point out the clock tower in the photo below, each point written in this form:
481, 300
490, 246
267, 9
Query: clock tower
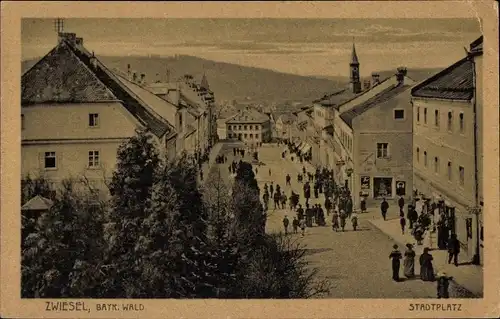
354, 67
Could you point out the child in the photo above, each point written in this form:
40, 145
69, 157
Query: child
443, 284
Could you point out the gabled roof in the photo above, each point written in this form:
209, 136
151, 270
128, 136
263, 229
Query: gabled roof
60, 77
376, 100
455, 83
71, 56
248, 116
38, 203
477, 45
337, 98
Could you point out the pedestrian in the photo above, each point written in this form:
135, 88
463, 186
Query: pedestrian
443, 285
401, 203
354, 220
316, 193
409, 261
348, 206
343, 217
276, 198
328, 206
363, 204
271, 189
395, 256
300, 212
384, 207
402, 222
418, 232
295, 225
303, 227
269, 172
283, 200
288, 178
426, 268
453, 249
285, 224
335, 221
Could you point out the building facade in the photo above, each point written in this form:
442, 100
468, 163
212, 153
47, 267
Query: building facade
381, 141
447, 134
75, 113
250, 127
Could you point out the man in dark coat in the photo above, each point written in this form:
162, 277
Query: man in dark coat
453, 249
300, 212
401, 203
288, 179
395, 256
384, 207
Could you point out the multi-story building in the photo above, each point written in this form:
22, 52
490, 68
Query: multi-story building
249, 126
447, 148
285, 124
376, 132
195, 103
75, 112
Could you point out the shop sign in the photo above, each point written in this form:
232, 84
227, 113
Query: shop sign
365, 182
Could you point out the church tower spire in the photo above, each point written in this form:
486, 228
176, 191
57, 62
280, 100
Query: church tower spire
204, 82
354, 68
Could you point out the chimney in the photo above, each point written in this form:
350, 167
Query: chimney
134, 76
128, 71
375, 78
143, 76
79, 41
93, 60
367, 84
168, 76
68, 36
400, 76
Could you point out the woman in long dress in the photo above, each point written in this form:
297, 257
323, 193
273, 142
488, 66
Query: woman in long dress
409, 261
426, 268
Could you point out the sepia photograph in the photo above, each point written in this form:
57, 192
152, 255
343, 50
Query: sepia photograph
251, 158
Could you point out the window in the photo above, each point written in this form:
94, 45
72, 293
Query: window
251, 127
246, 135
228, 135
449, 171
239, 127
382, 150
50, 160
450, 121
245, 127
251, 135
418, 154
399, 114
22, 121
436, 118
257, 136
462, 124
425, 159
93, 119
239, 136
93, 158
436, 165
425, 115
418, 114
461, 173
180, 119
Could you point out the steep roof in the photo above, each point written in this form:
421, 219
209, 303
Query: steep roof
248, 116
38, 203
204, 82
61, 77
66, 75
374, 101
354, 56
455, 83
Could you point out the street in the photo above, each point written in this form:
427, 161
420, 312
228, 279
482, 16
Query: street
356, 264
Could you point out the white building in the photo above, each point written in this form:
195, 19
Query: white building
447, 138
75, 112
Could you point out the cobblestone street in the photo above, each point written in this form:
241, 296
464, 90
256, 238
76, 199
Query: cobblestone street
356, 264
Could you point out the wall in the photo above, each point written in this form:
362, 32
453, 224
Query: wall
250, 133
71, 121
449, 146
378, 125
369, 94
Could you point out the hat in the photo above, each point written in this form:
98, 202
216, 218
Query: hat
395, 246
441, 274
409, 245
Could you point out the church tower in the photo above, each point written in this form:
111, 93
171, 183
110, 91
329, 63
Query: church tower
204, 82
354, 67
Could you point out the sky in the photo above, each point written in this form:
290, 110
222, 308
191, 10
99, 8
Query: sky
320, 47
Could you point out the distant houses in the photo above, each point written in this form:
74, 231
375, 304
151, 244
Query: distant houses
249, 126
75, 112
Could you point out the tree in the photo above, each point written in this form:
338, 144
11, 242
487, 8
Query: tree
51, 267
31, 187
137, 169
